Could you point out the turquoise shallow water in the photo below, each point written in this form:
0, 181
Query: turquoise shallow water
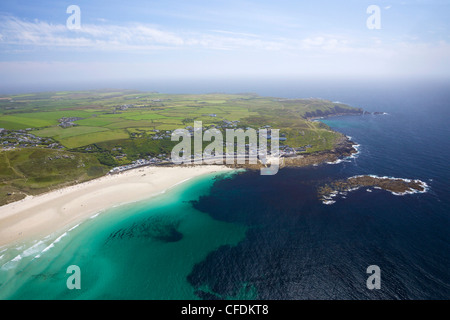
142, 250
292, 246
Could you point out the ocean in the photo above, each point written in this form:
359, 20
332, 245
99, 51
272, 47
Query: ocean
247, 236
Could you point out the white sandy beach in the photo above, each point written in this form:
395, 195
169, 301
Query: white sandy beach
38, 216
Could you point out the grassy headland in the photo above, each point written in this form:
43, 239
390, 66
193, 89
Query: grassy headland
53, 139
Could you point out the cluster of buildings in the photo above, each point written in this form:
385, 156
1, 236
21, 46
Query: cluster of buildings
228, 124
10, 139
68, 122
159, 135
140, 163
124, 107
287, 151
284, 149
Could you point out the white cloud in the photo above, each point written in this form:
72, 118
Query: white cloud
227, 52
133, 38
52, 36
237, 33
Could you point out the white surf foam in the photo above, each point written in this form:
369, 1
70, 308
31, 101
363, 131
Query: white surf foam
328, 198
335, 162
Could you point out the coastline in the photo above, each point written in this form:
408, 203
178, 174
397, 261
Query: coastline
343, 149
38, 216
58, 210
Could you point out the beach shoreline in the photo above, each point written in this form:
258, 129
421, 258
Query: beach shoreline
38, 216
35, 217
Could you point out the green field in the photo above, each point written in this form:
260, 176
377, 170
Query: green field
112, 127
85, 139
37, 119
106, 114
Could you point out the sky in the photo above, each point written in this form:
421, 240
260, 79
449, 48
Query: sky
138, 40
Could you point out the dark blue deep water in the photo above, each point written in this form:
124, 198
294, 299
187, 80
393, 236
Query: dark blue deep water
247, 236
298, 248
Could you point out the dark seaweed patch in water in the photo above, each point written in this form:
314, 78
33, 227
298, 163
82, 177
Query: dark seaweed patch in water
45, 276
155, 228
207, 296
295, 247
